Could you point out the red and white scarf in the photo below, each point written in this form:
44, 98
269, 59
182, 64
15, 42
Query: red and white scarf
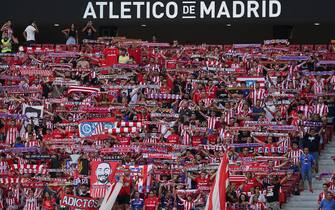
163, 96
29, 168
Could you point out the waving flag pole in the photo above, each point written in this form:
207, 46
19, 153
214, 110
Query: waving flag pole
217, 196
111, 195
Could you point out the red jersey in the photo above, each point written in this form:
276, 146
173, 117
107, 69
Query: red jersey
126, 188
212, 139
124, 140
197, 96
294, 118
252, 182
159, 59
113, 93
57, 134
169, 82
136, 54
171, 64
202, 183
69, 134
165, 89
211, 91
196, 140
48, 203
173, 139
111, 56
241, 155
151, 203
140, 78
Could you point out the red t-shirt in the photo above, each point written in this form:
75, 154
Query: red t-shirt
261, 138
57, 134
111, 56
241, 155
211, 91
140, 78
136, 53
113, 93
125, 190
142, 117
47, 137
69, 134
173, 139
48, 203
158, 57
202, 183
151, 203
250, 184
171, 64
169, 82
196, 140
124, 140
197, 96
212, 139
165, 89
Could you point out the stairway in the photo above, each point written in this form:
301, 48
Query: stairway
307, 200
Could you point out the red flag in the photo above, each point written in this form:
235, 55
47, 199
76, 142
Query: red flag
217, 197
79, 202
111, 195
102, 177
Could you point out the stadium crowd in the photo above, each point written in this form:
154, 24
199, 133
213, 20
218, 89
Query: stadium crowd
166, 114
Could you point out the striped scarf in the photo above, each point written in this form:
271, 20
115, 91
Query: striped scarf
164, 115
164, 96
34, 71
33, 143
29, 168
128, 124
123, 130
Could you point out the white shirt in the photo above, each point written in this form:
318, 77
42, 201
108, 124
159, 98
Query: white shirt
134, 96
270, 107
75, 158
261, 198
30, 30
165, 129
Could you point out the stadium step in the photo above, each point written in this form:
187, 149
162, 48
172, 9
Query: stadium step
307, 200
